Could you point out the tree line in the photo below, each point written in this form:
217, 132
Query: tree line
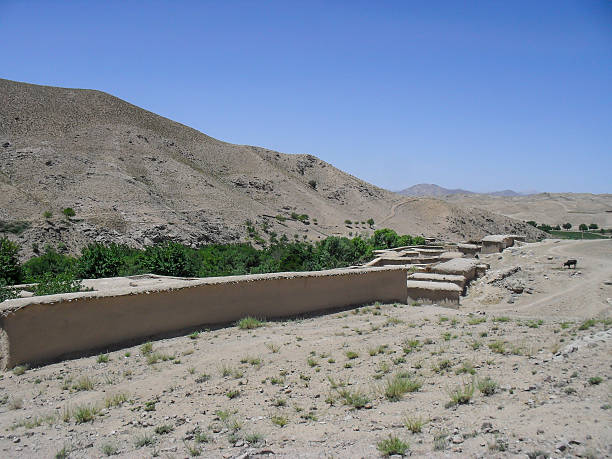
56, 272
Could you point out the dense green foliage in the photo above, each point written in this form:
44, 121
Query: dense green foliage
98, 260
56, 272
50, 262
6, 293
51, 284
9, 262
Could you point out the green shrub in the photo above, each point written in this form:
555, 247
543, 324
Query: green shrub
69, 212
99, 260
391, 446
595, 380
51, 284
50, 262
356, 399
462, 394
47, 214
399, 385
15, 227
249, 323
170, 259
487, 386
7, 293
10, 270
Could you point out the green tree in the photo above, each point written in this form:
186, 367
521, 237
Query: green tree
384, 239
593, 226
170, 259
371, 221
583, 227
532, 223
10, 270
99, 260
50, 262
545, 227
567, 226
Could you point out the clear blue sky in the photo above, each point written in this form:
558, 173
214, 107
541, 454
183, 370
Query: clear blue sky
480, 95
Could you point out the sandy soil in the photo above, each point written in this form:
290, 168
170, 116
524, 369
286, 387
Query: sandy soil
534, 348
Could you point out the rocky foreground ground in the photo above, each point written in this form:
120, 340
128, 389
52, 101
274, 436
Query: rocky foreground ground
522, 368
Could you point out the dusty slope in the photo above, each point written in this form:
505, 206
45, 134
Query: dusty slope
550, 208
133, 176
285, 370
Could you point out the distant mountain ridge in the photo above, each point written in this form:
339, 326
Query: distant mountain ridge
430, 189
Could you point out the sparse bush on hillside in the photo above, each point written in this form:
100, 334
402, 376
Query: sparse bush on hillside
15, 227
313, 184
69, 212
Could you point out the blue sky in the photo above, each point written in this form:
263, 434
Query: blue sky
480, 95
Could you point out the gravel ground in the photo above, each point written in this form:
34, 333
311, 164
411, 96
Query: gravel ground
530, 376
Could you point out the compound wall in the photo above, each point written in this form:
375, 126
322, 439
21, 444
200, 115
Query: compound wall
42, 329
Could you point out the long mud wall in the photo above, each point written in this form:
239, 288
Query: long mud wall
42, 329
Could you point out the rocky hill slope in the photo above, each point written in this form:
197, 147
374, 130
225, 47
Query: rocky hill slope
134, 177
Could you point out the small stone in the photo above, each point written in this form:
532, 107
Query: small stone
457, 439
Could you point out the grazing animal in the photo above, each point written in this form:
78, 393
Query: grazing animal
569, 263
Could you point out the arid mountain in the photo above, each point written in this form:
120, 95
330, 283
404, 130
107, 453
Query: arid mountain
432, 190
135, 177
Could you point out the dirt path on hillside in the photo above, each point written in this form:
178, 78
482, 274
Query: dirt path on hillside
394, 211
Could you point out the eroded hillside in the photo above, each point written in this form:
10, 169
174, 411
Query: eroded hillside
135, 177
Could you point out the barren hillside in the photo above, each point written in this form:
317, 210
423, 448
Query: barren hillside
135, 177
549, 208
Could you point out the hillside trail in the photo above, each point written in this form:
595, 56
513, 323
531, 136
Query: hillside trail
394, 210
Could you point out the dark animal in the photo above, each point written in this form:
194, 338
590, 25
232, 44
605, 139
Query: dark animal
569, 263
